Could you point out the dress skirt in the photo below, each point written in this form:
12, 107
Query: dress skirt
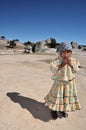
63, 96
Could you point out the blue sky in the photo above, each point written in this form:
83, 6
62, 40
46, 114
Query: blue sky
36, 20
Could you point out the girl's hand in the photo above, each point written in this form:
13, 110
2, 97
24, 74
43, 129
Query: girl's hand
66, 61
69, 62
62, 64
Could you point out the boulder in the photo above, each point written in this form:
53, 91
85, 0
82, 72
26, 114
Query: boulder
74, 44
28, 49
40, 46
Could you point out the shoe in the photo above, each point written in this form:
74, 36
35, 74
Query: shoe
59, 114
65, 115
54, 115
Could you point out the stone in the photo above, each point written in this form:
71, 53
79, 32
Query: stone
74, 44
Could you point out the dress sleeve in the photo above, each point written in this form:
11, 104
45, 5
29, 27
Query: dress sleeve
76, 66
54, 66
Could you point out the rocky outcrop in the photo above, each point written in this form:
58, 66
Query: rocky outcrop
19, 45
74, 45
84, 49
40, 46
5, 43
45, 45
5, 48
28, 49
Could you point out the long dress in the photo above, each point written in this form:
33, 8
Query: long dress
63, 93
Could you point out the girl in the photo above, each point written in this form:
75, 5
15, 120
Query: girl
63, 95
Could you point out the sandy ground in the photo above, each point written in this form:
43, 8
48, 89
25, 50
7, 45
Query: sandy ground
24, 82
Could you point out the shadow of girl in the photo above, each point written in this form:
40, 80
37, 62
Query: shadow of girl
37, 109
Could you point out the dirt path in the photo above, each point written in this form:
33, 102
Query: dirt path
24, 82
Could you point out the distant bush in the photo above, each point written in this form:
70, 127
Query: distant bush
12, 44
27, 43
16, 40
79, 47
2, 37
52, 44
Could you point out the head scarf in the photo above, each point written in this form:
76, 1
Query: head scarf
64, 46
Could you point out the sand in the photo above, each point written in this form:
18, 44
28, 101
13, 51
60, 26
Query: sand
24, 82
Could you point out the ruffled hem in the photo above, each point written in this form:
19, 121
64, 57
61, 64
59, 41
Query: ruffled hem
63, 107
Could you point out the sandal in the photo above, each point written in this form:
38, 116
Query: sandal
54, 115
65, 115
59, 114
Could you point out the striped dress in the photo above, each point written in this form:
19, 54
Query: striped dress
63, 93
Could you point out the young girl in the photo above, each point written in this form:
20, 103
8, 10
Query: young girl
63, 95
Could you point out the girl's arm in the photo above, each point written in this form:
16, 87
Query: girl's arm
53, 66
75, 65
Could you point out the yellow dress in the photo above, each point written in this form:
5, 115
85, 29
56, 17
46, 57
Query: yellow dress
63, 93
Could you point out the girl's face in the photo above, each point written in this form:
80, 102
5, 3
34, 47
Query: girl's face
66, 54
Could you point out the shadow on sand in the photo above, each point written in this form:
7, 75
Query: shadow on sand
37, 109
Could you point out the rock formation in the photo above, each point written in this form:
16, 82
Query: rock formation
74, 45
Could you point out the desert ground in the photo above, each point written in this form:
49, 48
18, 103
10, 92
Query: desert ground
24, 82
